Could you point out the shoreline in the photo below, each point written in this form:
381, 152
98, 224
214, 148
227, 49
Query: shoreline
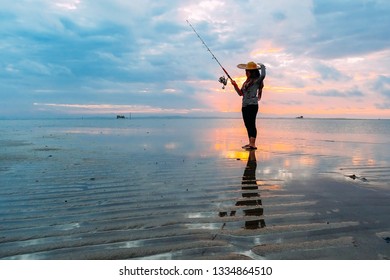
184, 117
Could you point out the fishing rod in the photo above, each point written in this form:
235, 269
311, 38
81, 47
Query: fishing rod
222, 79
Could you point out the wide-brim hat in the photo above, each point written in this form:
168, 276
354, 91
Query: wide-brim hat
249, 66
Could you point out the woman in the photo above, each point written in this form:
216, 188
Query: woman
251, 92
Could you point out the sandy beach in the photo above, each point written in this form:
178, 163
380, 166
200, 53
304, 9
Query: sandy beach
185, 189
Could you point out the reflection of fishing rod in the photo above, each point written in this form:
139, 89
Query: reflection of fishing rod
222, 79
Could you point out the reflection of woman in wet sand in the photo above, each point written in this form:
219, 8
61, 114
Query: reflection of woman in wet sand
250, 200
251, 194
251, 92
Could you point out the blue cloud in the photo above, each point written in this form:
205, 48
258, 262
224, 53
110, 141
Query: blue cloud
279, 16
382, 85
383, 106
337, 93
349, 27
328, 73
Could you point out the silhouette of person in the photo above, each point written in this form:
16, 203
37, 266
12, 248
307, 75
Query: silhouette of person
251, 92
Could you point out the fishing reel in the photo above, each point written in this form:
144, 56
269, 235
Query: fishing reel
223, 81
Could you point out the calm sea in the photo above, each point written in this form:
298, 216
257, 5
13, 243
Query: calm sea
299, 147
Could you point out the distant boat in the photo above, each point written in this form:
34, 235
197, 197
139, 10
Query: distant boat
120, 117
300, 117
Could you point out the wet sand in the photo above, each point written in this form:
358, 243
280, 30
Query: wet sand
184, 189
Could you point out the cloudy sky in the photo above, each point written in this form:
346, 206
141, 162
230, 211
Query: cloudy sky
325, 58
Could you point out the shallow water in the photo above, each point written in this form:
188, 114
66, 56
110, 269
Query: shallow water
184, 188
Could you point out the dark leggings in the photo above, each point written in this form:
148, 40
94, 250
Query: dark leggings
249, 114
